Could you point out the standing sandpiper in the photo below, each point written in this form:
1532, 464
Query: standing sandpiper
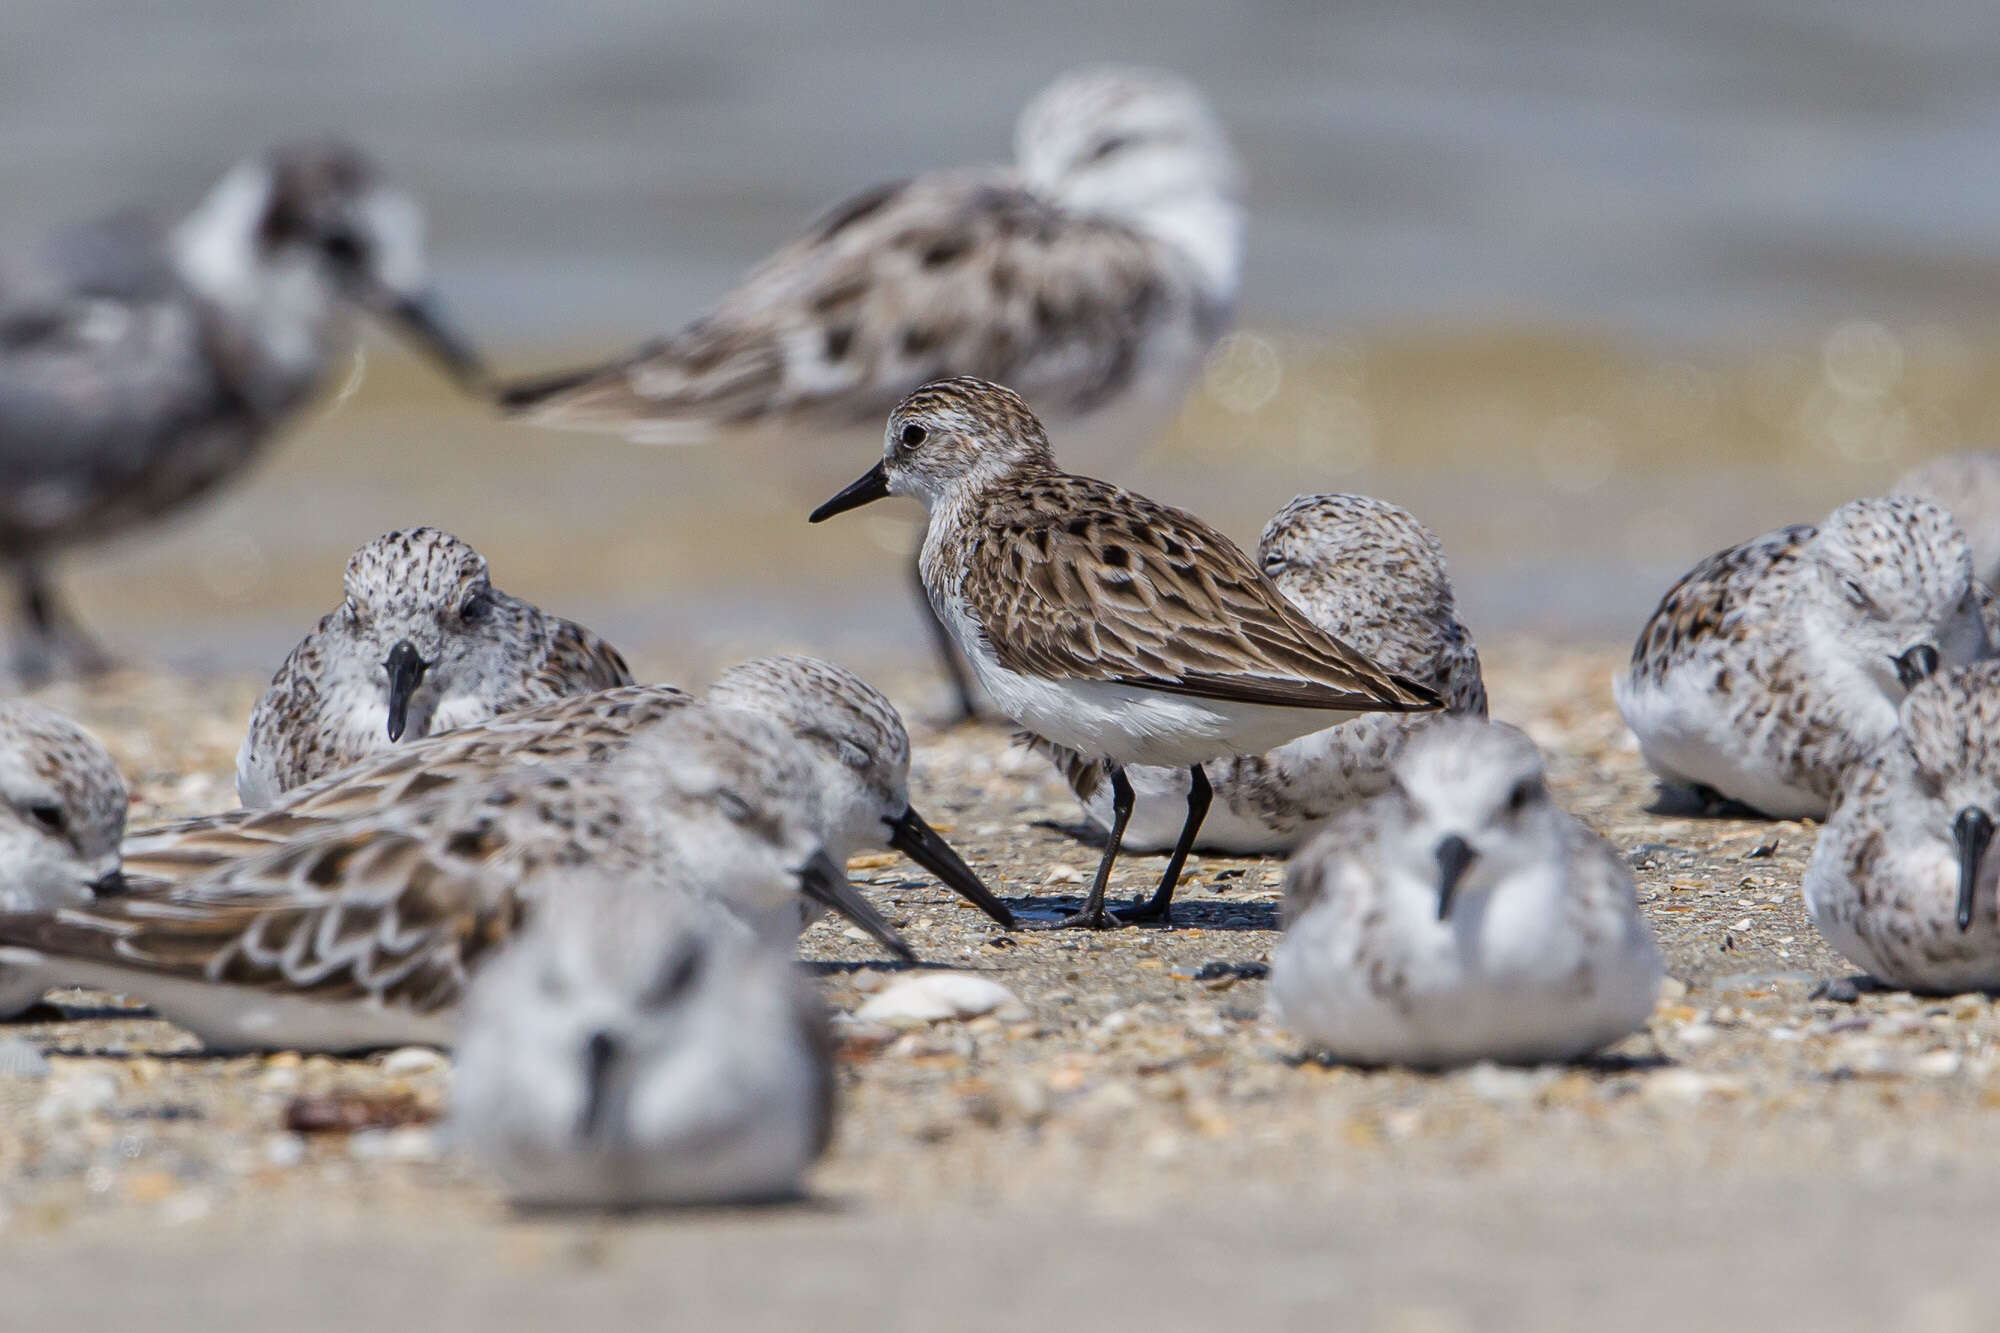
1092, 274
1102, 621
142, 365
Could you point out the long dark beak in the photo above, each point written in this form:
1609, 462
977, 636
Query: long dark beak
109, 885
423, 319
1972, 830
873, 485
911, 836
826, 884
1916, 666
599, 1054
1454, 856
406, 668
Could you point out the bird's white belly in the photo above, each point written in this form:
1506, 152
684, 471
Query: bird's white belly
1128, 724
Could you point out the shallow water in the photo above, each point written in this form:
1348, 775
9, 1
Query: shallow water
1594, 288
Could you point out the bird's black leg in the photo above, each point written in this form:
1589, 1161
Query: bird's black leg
1160, 906
954, 666
51, 636
1093, 913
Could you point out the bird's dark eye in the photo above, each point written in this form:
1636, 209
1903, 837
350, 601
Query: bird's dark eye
50, 817
1858, 595
1273, 563
475, 607
1525, 791
1107, 146
344, 247
673, 983
913, 435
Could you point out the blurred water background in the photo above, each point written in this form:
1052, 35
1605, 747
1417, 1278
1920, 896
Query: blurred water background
1595, 288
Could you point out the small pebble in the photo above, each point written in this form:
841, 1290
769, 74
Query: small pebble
408, 1060
936, 997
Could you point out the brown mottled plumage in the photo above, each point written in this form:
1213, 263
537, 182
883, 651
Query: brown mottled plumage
1369, 573
361, 930
1107, 260
1101, 621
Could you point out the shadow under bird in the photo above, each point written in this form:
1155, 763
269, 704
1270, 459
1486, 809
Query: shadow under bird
143, 364
1092, 274
1104, 622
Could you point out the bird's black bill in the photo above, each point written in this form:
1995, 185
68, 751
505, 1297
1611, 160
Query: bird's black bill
424, 321
1973, 832
917, 840
406, 668
873, 485
109, 885
826, 884
1916, 666
599, 1054
1454, 857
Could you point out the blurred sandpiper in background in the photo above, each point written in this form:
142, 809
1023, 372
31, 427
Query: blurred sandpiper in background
1594, 289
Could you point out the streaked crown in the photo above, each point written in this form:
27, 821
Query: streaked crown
960, 431
414, 570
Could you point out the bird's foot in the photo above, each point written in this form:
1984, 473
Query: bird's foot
1099, 917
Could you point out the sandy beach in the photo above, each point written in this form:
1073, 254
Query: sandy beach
1137, 1128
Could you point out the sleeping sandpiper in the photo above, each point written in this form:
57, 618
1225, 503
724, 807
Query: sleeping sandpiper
1772, 666
422, 643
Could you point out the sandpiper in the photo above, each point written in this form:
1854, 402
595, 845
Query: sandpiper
1462, 916
1773, 665
862, 757
1102, 621
357, 932
1903, 879
1092, 275
1368, 573
422, 643
144, 365
62, 812
638, 1048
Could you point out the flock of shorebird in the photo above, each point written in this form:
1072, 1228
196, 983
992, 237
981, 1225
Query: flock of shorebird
463, 823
